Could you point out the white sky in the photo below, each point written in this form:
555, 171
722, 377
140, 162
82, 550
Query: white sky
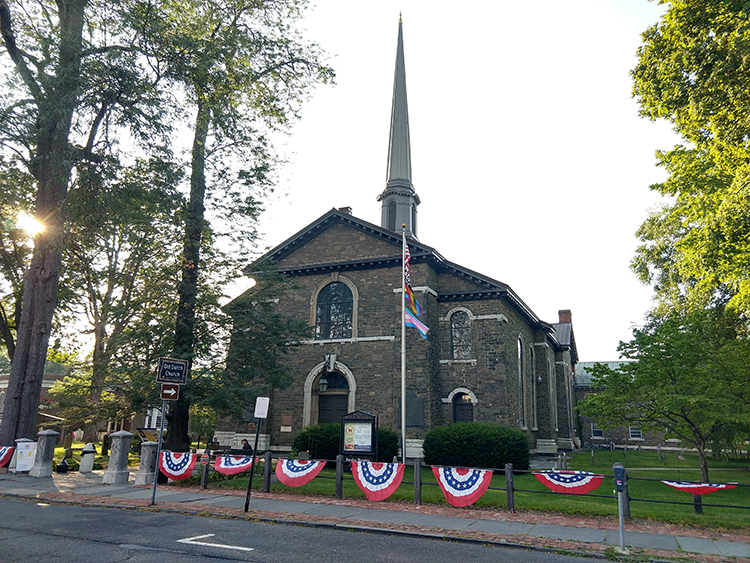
528, 153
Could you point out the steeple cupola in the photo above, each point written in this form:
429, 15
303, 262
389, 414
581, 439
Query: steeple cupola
399, 200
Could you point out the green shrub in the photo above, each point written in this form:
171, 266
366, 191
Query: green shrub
475, 444
322, 441
388, 444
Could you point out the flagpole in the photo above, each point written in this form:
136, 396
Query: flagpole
403, 343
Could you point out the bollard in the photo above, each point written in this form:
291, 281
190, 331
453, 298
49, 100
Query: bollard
147, 465
510, 497
45, 451
88, 455
117, 472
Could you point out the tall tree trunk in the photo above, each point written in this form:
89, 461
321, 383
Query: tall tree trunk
701, 447
99, 366
184, 338
51, 166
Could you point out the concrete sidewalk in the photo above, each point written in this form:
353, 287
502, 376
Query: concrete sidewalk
527, 529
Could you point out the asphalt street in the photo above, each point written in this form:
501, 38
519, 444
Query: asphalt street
31, 532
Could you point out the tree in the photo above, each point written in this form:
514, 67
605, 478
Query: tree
15, 248
75, 75
694, 70
121, 253
690, 376
243, 68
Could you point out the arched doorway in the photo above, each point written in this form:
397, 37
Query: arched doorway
333, 402
463, 408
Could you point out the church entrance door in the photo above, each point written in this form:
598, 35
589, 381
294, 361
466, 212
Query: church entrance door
463, 409
332, 407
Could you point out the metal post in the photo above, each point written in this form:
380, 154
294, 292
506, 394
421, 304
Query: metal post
698, 504
620, 503
417, 481
625, 499
158, 450
403, 343
204, 474
339, 476
258, 422
267, 472
510, 498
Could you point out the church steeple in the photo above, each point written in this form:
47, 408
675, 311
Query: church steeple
399, 200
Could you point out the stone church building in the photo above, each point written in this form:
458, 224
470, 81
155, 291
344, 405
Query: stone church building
487, 356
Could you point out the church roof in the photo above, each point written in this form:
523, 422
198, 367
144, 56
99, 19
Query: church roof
485, 287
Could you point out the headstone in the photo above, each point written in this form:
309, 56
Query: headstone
147, 467
117, 471
68, 442
45, 451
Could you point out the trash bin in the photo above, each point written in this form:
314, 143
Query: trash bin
87, 458
62, 467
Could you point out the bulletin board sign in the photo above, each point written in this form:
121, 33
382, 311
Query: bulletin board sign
359, 434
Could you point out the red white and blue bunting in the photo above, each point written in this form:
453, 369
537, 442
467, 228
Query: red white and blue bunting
233, 464
6, 452
377, 480
297, 472
570, 482
699, 488
177, 466
461, 486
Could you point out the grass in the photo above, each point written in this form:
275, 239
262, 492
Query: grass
640, 465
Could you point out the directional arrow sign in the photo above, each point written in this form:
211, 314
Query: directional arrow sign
170, 391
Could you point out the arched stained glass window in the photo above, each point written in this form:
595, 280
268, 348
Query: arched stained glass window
460, 336
333, 317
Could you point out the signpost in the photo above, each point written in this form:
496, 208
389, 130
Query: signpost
261, 412
171, 374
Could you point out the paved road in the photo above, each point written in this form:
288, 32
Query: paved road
31, 532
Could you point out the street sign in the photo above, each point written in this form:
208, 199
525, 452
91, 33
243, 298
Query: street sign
170, 391
172, 371
261, 407
204, 459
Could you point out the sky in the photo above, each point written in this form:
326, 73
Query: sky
528, 154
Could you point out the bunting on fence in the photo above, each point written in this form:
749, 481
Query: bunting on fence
6, 452
461, 486
699, 488
233, 464
570, 482
377, 480
298, 472
177, 466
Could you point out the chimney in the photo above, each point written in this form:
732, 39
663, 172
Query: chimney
565, 316
345, 210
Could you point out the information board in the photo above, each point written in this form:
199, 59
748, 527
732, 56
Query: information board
357, 436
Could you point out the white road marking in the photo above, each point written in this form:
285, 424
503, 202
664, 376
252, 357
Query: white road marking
192, 541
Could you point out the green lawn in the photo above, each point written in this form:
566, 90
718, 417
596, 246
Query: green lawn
644, 464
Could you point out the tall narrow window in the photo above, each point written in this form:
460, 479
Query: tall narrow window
521, 387
460, 336
391, 215
553, 393
334, 312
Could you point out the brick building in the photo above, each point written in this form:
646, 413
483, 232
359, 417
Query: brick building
487, 357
